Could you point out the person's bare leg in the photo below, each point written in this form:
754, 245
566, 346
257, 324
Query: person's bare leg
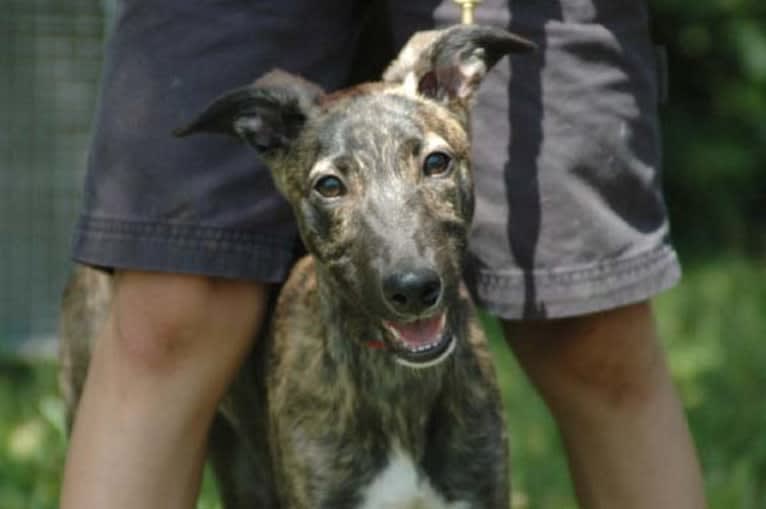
607, 385
170, 347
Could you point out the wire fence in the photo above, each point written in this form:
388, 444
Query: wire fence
50, 59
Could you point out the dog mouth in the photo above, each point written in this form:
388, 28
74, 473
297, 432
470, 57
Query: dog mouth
421, 343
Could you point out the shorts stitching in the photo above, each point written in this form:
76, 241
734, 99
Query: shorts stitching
581, 291
183, 235
623, 269
208, 251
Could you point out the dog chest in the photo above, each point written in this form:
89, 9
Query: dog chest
401, 486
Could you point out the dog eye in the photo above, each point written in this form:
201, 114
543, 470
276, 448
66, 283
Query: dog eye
330, 187
436, 164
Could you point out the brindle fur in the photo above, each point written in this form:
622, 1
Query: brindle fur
314, 412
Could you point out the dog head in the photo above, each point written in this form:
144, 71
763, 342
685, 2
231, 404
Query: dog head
379, 177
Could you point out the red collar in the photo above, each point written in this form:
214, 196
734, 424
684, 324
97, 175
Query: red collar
375, 344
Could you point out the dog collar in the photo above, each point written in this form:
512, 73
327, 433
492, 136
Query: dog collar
375, 344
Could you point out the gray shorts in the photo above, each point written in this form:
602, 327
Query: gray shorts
570, 215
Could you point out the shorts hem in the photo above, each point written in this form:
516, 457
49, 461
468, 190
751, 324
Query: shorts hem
181, 248
562, 293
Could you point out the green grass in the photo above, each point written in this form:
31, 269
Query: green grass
31, 436
715, 328
713, 325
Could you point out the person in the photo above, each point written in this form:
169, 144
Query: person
569, 245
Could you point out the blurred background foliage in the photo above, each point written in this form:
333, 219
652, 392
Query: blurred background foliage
715, 123
713, 324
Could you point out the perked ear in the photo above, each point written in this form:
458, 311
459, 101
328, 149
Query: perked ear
448, 65
269, 114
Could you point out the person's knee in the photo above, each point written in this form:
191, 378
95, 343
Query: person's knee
612, 357
159, 320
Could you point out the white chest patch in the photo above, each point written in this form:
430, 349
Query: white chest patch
400, 486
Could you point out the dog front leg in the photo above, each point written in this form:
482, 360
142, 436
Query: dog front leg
327, 467
467, 452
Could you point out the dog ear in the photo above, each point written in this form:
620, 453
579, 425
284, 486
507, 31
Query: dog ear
268, 114
448, 65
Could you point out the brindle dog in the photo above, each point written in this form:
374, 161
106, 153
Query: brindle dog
374, 388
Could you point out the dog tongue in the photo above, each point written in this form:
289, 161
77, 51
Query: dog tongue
420, 332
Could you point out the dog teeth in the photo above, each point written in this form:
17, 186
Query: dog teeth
432, 362
395, 333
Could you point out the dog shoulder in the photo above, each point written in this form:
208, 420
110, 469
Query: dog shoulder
296, 317
298, 289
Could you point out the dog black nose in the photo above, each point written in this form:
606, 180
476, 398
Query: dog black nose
413, 291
